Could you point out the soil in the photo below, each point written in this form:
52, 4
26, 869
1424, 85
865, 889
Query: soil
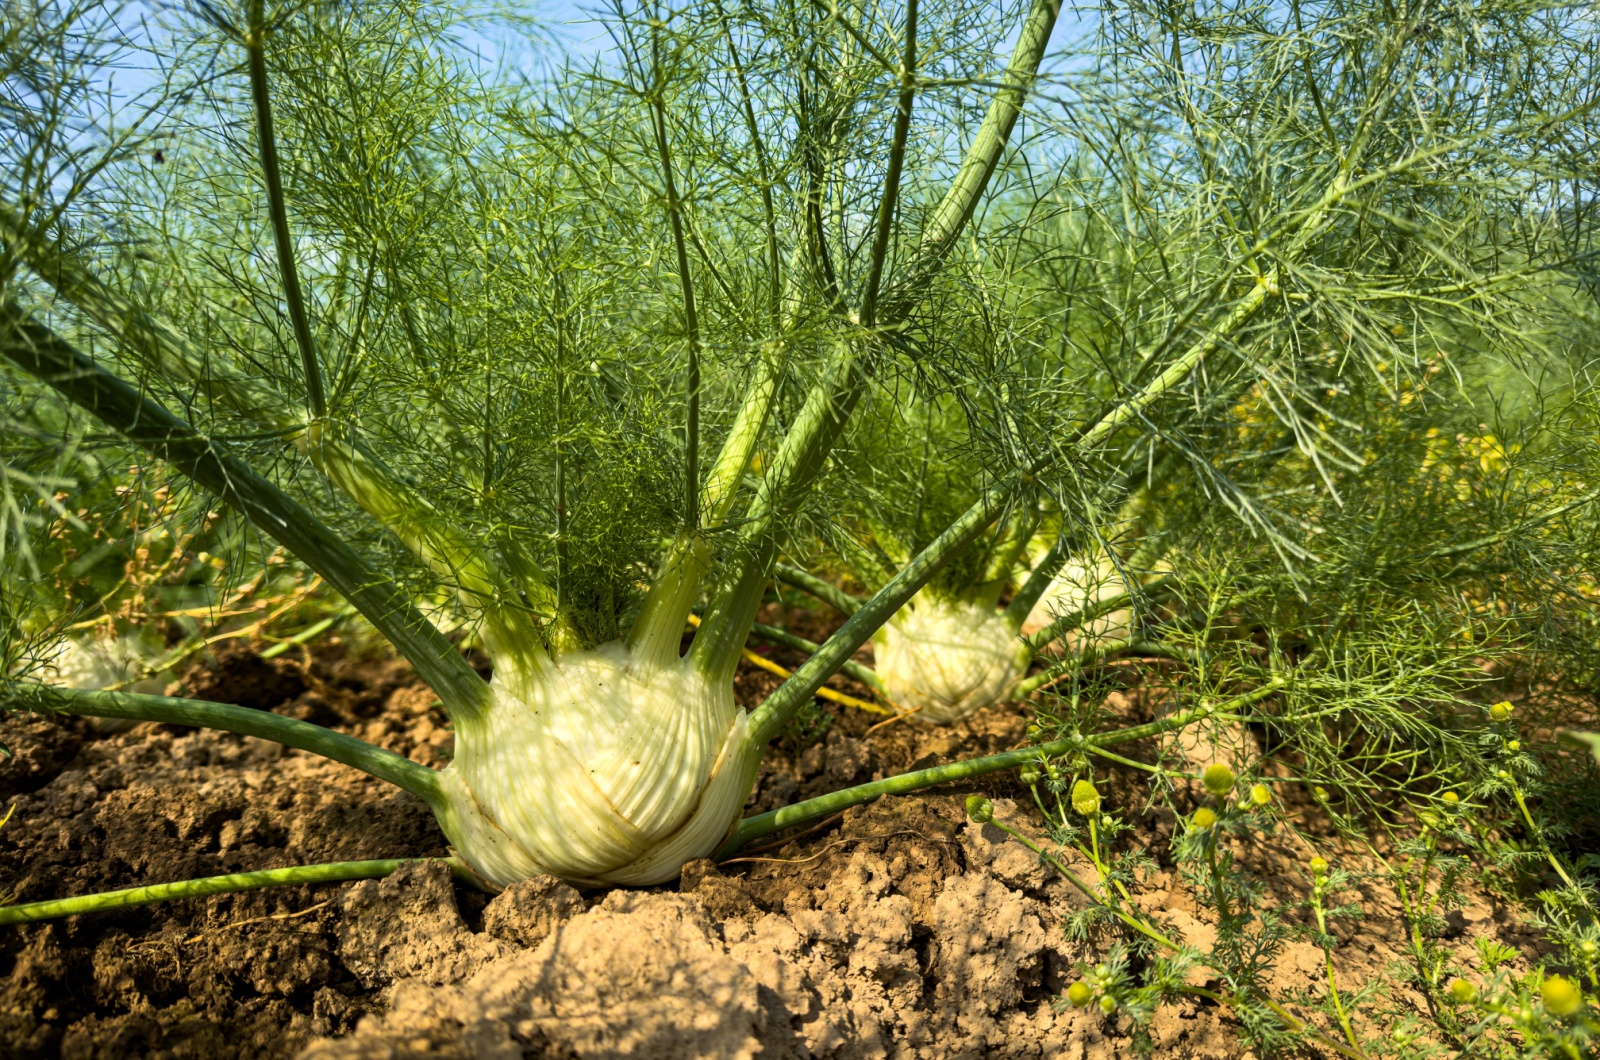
899, 929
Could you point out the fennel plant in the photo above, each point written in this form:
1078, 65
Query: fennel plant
376, 264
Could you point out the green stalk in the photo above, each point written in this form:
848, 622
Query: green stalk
332, 872
311, 632
145, 422
978, 165
772, 635
751, 828
891, 180
822, 418
563, 560
658, 631
255, 43
658, 121
375, 761
1039, 580
827, 592
775, 281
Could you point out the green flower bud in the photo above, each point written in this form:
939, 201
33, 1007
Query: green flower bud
1080, 994
1501, 711
1108, 1004
1260, 794
1319, 867
1034, 732
1030, 775
1319, 793
1503, 774
1218, 780
1561, 996
1085, 798
1203, 818
980, 809
1400, 1037
1588, 947
1463, 992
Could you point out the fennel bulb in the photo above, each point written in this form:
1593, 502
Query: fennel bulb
94, 662
597, 768
946, 659
1082, 582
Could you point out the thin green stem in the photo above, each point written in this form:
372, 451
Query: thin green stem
691, 322
370, 759
1549, 855
1317, 889
255, 43
827, 592
773, 635
774, 261
311, 632
752, 828
332, 872
1039, 580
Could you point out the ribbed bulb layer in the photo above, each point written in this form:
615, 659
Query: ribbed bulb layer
947, 659
594, 771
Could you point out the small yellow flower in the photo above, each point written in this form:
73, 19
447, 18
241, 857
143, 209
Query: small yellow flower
1260, 795
1108, 1004
1561, 996
1451, 799
1203, 818
1514, 746
1463, 992
1501, 711
1319, 867
1085, 798
1319, 793
1218, 780
1080, 994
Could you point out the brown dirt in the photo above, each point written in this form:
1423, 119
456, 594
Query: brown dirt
900, 929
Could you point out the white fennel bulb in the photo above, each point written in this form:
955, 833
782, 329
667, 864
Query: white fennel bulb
947, 659
1083, 582
91, 662
595, 769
